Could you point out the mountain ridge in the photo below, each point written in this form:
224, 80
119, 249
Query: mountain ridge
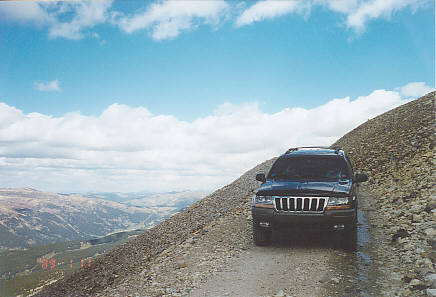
29, 217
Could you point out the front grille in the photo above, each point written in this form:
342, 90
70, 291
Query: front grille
300, 204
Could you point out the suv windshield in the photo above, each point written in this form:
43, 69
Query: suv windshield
316, 168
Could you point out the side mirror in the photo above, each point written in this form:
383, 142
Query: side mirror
360, 177
261, 177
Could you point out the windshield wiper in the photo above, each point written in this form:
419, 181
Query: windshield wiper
287, 177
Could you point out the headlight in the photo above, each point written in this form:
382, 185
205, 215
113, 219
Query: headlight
337, 201
263, 201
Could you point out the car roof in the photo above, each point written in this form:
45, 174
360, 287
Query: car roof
314, 151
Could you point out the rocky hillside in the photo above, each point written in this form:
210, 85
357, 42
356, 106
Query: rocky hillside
394, 148
130, 258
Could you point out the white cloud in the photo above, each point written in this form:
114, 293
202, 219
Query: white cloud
343, 6
415, 89
374, 9
269, 9
167, 19
64, 19
86, 14
48, 86
130, 149
358, 12
25, 11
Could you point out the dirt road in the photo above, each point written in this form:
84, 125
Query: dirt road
301, 264
221, 260
272, 271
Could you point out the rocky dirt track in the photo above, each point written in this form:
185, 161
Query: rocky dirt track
207, 250
221, 260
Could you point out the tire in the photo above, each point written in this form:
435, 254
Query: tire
261, 236
349, 237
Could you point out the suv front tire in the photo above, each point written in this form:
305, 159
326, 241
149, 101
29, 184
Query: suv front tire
261, 235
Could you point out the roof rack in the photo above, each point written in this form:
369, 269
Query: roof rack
337, 149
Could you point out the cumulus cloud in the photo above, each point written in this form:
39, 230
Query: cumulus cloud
343, 6
48, 86
131, 149
24, 12
357, 12
368, 10
269, 9
415, 89
167, 19
64, 19
85, 14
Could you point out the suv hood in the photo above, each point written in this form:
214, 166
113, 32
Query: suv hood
305, 188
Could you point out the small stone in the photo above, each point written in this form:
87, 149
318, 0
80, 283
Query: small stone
181, 263
335, 280
416, 218
416, 284
430, 232
428, 262
431, 280
401, 233
431, 205
431, 277
280, 294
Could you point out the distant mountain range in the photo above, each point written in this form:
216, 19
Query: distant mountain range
178, 199
31, 217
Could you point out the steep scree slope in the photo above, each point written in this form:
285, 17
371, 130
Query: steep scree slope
110, 269
396, 150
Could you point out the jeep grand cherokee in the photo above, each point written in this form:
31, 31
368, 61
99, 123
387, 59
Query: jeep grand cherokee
307, 187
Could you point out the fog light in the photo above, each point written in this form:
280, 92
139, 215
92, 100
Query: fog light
338, 227
264, 224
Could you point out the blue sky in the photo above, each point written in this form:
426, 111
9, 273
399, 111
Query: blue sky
194, 62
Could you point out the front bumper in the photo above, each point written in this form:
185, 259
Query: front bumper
326, 220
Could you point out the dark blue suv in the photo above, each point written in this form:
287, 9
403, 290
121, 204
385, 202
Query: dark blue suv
312, 187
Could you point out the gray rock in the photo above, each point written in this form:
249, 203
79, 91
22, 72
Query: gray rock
430, 280
335, 280
416, 218
430, 232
